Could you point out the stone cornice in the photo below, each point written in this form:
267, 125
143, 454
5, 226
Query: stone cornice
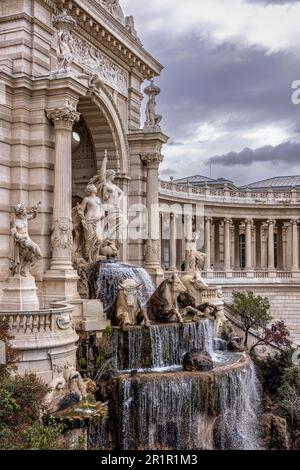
106, 29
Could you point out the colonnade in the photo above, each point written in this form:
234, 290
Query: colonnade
233, 245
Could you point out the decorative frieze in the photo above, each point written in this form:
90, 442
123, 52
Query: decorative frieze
71, 49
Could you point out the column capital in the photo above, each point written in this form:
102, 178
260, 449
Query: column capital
249, 221
271, 222
152, 160
208, 219
64, 117
294, 221
227, 220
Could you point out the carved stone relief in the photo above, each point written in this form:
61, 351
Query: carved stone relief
71, 49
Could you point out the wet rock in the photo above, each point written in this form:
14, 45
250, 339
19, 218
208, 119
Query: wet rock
200, 361
275, 433
234, 344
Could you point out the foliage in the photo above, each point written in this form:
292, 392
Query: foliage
273, 371
11, 355
252, 310
277, 334
108, 331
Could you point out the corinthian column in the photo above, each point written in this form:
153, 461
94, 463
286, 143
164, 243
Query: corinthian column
207, 235
227, 244
61, 276
172, 242
249, 266
152, 258
271, 260
295, 245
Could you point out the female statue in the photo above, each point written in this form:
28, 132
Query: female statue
91, 217
25, 252
111, 196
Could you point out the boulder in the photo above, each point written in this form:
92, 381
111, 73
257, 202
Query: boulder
197, 361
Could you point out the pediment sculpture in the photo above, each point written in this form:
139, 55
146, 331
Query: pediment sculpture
114, 8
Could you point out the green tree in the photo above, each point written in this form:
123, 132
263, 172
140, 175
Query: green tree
252, 310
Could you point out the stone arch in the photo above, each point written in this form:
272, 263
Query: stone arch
106, 128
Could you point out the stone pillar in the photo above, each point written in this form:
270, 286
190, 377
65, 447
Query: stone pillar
249, 265
237, 263
271, 262
217, 244
295, 246
280, 246
227, 245
258, 243
207, 236
173, 261
61, 279
152, 258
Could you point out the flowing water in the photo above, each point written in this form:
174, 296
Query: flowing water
111, 273
180, 411
164, 407
161, 346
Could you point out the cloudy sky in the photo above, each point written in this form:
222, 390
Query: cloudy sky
226, 86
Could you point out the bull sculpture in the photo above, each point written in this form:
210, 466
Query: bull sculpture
189, 301
128, 310
163, 306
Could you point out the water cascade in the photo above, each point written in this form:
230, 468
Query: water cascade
106, 276
161, 406
188, 410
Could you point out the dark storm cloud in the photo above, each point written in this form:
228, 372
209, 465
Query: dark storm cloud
203, 82
287, 152
232, 86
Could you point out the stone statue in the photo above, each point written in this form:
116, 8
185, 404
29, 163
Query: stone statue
25, 253
128, 310
64, 50
91, 217
195, 258
111, 196
114, 8
163, 305
69, 382
64, 23
130, 26
152, 119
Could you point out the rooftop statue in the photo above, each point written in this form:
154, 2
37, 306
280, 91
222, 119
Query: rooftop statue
152, 119
25, 253
114, 8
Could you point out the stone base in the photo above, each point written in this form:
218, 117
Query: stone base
60, 286
157, 273
20, 294
88, 315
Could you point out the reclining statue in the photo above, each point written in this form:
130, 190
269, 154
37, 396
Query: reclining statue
128, 310
163, 306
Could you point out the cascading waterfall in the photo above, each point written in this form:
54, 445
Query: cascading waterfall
239, 402
187, 411
161, 346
